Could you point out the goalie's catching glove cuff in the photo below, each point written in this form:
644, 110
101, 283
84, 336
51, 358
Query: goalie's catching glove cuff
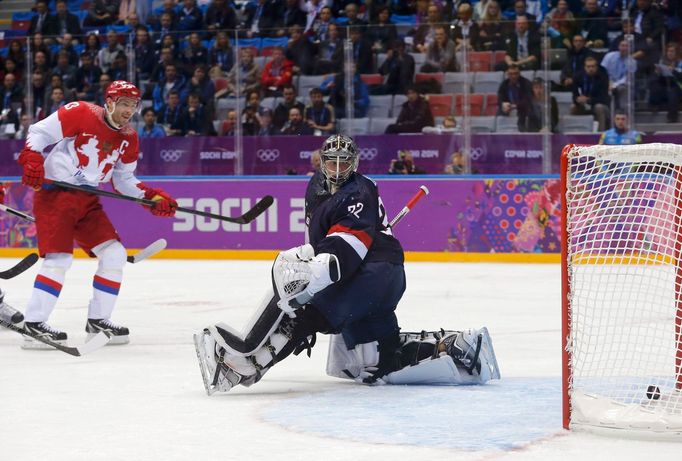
164, 205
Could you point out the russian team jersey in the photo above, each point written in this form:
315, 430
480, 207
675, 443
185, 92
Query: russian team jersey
350, 224
88, 151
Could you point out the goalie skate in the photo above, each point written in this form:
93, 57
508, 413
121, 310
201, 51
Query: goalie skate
473, 350
216, 374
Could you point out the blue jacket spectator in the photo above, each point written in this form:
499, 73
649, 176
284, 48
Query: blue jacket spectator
173, 81
335, 87
620, 134
150, 129
171, 115
200, 85
190, 17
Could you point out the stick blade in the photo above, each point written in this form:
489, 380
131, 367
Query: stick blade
149, 251
20, 267
262, 205
99, 340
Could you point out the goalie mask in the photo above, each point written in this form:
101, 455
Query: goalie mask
339, 159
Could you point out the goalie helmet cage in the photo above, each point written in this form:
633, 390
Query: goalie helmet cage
622, 289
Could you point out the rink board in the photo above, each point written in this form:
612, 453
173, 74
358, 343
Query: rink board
463, 218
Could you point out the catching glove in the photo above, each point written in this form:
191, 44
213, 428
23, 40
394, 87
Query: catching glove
34, 171
164, 204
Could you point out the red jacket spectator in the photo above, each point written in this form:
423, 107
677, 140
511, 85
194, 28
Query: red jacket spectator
276, 73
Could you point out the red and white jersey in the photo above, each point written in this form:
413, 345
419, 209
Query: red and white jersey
87, 151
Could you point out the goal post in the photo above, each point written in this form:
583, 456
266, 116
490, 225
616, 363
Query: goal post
622, 289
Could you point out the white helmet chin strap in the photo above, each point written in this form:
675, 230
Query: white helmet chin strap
110, 114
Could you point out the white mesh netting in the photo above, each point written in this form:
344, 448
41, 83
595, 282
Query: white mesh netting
623, 207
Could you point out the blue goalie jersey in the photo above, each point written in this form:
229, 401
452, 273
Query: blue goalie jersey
350, 224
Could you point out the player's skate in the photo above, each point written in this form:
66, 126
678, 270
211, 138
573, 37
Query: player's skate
117, 333
44, 330
8, 313
216, 373
473, 350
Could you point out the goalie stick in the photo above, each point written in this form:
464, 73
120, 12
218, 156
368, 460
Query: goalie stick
19, 267
97, 341
423, 191
262, 205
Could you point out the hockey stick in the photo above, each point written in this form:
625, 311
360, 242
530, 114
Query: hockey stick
99, 340
17, 213
423, 191
246, 218
19, 267
145, 253
148, 252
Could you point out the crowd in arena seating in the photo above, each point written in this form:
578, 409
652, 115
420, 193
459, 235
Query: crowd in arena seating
411, 62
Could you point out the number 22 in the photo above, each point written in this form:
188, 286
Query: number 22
356, 209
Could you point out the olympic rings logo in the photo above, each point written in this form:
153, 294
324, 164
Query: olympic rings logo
368, 153
170, 155
267, 155
477, 153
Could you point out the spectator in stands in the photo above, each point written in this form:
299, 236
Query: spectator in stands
440, 55
300, 51
119, 68
165, 59
335, 87
522, 47
221, 54
276, 73
230, 124
319, 115
665, 87
457, 164
249, 75
17, 54
593, 25
10, 67
491, 28
125, 9
398, 69
575, 61
190, 17
311, 8
92, 47
38, 85
102, 13
220, 16
415, 114
38, 44
43, 22
145, 58
173, 81
288, 101
320, 29
404, 164
591, 93
295, 125
352, 19
56, 101
165, 27
618, 64
195, 119
104, 82
266, 127
533, 120
260, 18
56, 82
41, 62
170, 115
521, 9
515, 94
133, 20
465, 24
69, 47
561, 25
426, 32
620, 134
362, 51
169, 41
292, 14
648, 21
382, 33
644, 54
250, 118
24, 124
150, 129
11, 95
110, 51
200, 85
87, 78
195, 54
448, 126
330, 53
315, 162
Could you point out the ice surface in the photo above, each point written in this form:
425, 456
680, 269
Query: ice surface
145, 400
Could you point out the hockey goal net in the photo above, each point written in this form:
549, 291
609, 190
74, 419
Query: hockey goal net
622, 288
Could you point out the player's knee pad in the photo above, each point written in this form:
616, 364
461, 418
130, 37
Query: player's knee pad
57, 263
111, 254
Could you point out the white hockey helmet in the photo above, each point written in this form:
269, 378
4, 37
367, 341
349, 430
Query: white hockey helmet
340, 158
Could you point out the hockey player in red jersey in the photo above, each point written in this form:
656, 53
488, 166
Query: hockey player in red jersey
92, 145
